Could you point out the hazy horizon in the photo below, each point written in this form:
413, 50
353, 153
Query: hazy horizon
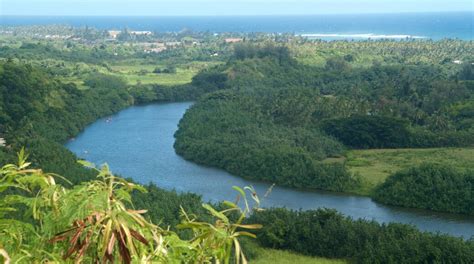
254, 15
225, 8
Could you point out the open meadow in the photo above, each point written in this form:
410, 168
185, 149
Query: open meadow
375, 165
272, 256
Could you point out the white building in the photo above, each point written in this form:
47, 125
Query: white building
233, 40
114, 33
146, 33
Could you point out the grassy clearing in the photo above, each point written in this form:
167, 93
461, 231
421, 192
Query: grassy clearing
128, 69
135, 73
271, 256
375, 165
143, 73
182, 76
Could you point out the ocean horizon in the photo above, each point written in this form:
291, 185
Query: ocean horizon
459, 25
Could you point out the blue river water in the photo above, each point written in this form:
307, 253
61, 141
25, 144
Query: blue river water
138, 143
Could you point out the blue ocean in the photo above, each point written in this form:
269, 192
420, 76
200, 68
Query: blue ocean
355, 26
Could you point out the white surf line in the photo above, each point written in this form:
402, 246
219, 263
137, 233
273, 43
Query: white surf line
367, 36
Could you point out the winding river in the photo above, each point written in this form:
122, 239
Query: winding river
139, 141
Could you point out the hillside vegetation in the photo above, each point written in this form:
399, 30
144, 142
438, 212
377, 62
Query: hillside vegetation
365, 53
277, 120
261, 113
329, 234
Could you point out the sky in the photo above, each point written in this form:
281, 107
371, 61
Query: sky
225, 7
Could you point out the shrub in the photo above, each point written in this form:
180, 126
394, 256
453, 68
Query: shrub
326, 233
430, 186
369, 131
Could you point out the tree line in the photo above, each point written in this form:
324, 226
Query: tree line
274, 119
40, 112
438, 187
325, 232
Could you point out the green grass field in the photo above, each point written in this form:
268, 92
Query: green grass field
182, 76
135, 73
184, 73
271, 256
375, 165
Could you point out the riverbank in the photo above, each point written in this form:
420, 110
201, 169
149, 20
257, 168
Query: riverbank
147, 154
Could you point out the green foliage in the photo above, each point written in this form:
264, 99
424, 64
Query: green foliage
229, 132
425, 138
467, 72
244, 51
170, 69
18, 97
328, 234
364, 53
272, 256
375, 165
165, 206
337, 64
210, 81
369, 131
277, 120
28, 95
33, 120
270, 119
91, 223
43, 133
430, 186
105, 81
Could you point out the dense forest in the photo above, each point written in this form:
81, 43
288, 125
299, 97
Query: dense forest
238, 138
91, 222
277, 120
40, 113
430, 186
327, 233
262, 115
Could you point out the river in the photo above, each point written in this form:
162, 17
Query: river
138, 142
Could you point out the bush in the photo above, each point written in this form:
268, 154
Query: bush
329, 234
369, 131
93, 222
99, 80
338, 63
430, 186
169, 69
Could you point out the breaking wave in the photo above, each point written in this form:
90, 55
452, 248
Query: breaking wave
361, 36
